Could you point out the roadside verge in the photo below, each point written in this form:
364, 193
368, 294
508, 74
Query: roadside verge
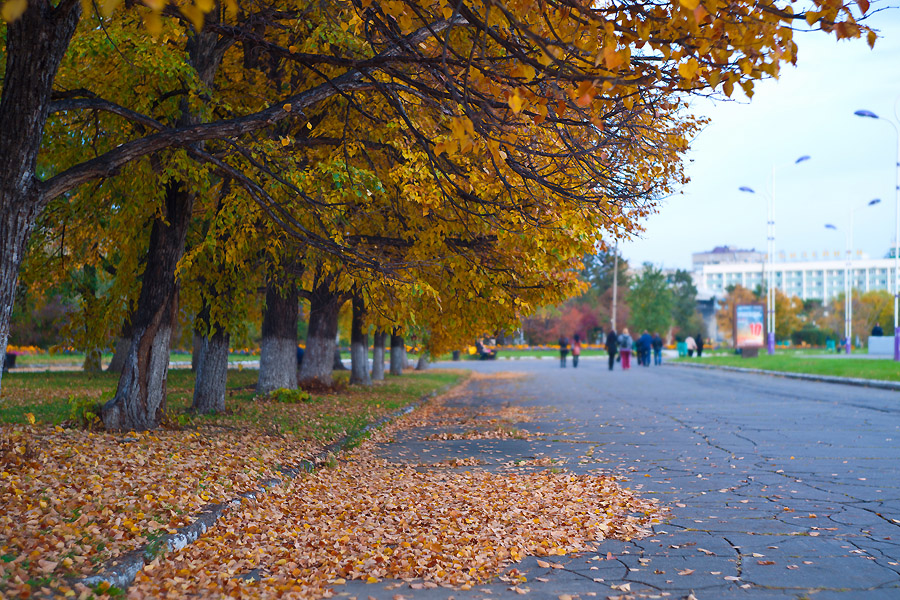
871, 383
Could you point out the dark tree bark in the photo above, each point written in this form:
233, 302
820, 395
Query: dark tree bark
278, 348
212, 373
324, 306
35, 44
123, 343
359, 344
422, 364
378, 356
398, 353
140, 399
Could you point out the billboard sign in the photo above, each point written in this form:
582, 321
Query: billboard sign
749, 326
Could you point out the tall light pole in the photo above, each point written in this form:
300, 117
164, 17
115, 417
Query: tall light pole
870, 115
770, 251
848, 277
615, 283
847, 289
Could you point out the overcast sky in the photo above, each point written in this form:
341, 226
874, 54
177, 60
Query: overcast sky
808, 111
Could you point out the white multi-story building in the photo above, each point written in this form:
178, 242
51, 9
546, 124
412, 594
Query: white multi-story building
820, 279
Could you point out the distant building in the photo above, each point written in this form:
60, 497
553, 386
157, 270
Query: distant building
820, 279
726, 255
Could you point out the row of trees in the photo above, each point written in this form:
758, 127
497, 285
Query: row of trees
647, 299
813, 321
442, 167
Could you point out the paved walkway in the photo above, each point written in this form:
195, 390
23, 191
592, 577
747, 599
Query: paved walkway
778, 488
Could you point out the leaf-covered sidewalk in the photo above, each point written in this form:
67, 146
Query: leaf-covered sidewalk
73, 499
368, 519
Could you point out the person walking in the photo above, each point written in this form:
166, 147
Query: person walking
576, 350
657, 349
690, 344
644, 344
563, 351
612, 346
699, 345
626, 344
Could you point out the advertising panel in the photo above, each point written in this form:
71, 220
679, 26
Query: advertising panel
749, 326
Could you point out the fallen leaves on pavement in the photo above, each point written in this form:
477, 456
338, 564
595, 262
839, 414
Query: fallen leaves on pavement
368, 519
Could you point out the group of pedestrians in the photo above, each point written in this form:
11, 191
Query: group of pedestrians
619, 346
564, 350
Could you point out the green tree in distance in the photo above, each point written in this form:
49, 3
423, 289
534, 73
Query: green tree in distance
651, 301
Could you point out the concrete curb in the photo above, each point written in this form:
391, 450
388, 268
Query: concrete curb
871, 383
121, 571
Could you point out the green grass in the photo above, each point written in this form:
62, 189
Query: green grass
324, 418
77, 359
807, 362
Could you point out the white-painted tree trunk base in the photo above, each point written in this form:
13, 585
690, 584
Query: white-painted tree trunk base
277, 365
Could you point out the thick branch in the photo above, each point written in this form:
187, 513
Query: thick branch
109, 163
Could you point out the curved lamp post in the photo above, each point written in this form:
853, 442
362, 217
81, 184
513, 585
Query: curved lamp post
770, 251
870, 115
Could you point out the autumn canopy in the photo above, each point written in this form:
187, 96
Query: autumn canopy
444, 165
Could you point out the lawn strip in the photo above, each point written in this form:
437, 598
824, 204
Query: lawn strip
892, 383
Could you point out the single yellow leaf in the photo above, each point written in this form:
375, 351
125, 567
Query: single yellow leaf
30, 418
287, 107
13, 9
516, 102
863, 5
690, 4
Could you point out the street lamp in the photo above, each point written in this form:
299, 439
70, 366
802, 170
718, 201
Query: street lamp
870, 115
848, 282
770, 250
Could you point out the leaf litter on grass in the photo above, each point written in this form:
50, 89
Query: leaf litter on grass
368, 519
74, 499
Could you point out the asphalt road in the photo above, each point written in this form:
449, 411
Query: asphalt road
778, 488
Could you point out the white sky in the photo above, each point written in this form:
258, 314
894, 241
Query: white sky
809, 110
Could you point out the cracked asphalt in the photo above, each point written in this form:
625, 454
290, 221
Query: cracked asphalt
778, 488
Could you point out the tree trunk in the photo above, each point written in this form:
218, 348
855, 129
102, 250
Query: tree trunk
324, 306
398, 353
212, 373
140, 399
123, 343
92, 361
378, 356
35, 44
423, 362
278, 348
196, 348
338, 364
359, 345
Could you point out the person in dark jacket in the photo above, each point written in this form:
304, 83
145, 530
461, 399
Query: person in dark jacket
563, 350
612, 346
877, 331
657, 349
699, 341
644, 343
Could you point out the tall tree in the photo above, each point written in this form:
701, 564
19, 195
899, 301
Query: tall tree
650, 300
685, 317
